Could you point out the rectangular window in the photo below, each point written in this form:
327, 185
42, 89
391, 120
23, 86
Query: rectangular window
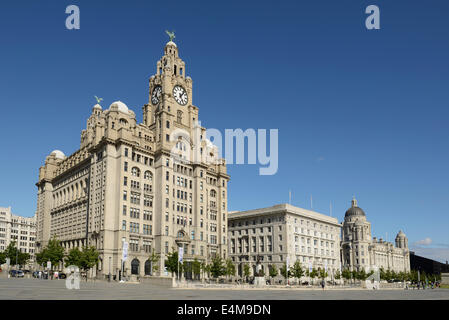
126, 166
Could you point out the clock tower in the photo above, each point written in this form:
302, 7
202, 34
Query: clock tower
170, 104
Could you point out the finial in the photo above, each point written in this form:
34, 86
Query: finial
170, 34
354, 201
98, 99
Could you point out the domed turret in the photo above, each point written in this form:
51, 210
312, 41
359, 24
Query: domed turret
401, 240
354, 210
118, 106
58, 154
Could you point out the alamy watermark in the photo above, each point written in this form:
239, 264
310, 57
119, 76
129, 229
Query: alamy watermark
206, 146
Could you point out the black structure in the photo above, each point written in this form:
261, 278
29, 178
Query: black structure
427, 265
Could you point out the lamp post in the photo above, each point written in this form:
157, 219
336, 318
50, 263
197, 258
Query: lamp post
110, 258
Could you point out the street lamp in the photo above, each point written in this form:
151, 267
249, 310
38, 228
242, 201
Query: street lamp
110, 269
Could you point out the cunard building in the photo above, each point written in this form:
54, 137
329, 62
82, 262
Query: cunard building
155, 185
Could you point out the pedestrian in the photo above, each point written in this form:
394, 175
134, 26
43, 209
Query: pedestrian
322, 284
40, 275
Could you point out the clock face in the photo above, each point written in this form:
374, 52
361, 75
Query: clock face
156, 95
180, 95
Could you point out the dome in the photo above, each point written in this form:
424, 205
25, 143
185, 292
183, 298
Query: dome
97, 106
58, 154
120, 106
354, 210
171, 43
401, 234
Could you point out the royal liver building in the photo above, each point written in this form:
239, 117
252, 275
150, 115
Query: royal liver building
155, 185
360, 251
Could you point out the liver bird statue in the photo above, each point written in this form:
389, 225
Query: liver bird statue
170, 34
98, 99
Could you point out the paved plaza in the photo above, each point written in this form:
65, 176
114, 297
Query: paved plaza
56, 290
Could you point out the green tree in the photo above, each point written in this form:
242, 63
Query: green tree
154, 259
246, 271
286, 274
323, 274
346, 274
383, 274
89, 258
171, 263
217, 268
204, 268
230, 268
15, 256
185, 267
337, 275
272, 271
297, 271
196, 267
2, 257
74, 258
53, 252
313, 274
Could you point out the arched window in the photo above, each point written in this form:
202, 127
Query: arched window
148, 268
135, 172
135, 266
148, 175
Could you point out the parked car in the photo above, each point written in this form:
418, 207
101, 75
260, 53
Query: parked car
17, 273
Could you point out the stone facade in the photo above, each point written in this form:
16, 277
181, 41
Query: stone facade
273, 235
360, 251
156, 185
20, 229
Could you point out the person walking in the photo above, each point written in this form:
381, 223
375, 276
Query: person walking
322, 284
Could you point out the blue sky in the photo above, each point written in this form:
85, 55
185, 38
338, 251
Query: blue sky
359, 112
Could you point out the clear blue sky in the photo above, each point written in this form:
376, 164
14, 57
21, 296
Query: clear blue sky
359, 112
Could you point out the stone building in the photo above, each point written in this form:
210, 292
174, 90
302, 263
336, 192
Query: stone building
20, 229
362, 251
157, 185
273, 235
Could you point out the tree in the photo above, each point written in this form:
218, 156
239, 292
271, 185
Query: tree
297, 271
89, 258
204, 268
286, 274
383, 274
346, 274
230, 268
313, 274
53, 252
323, 274
272, 271
2, 258
154, 259
15, 256
185, 267
196, 267
246, 271
362, 275
217, 268
74, 258
172, 262
337, 275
